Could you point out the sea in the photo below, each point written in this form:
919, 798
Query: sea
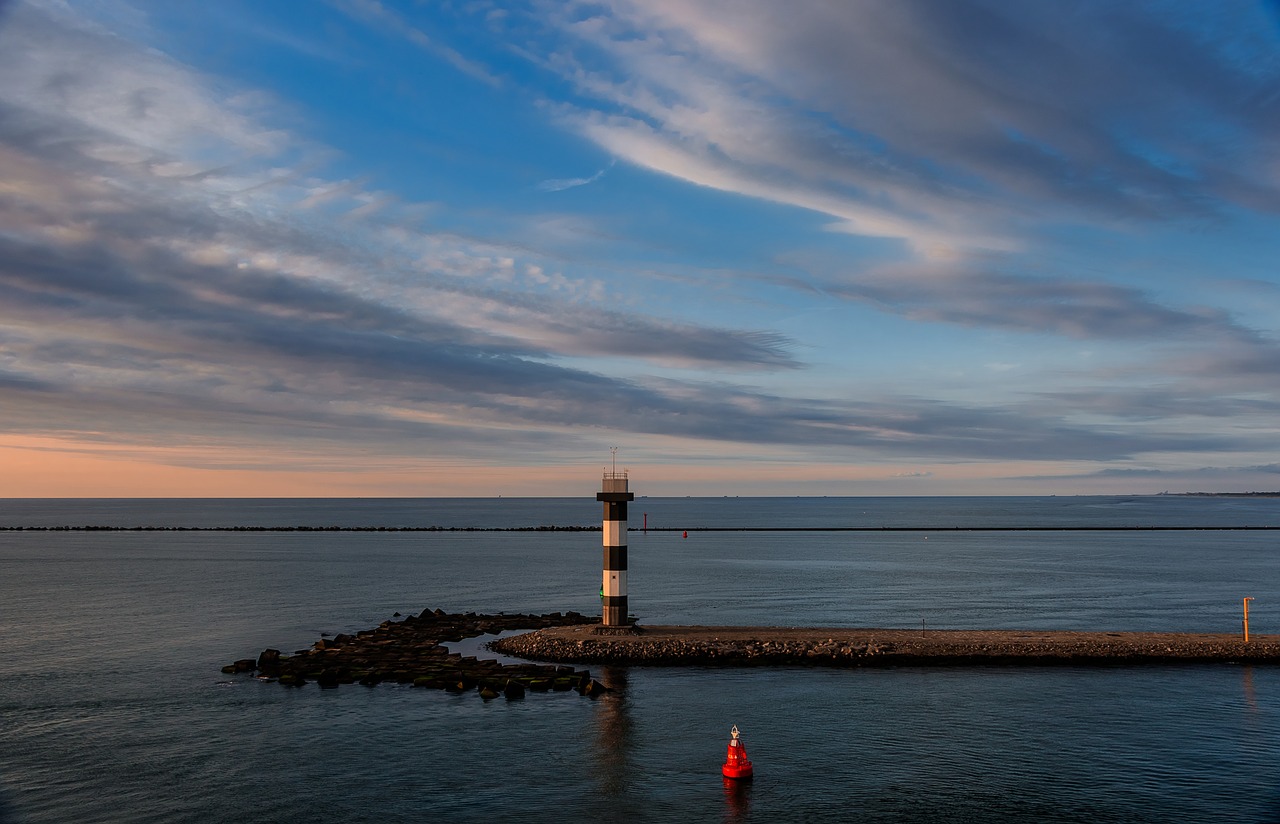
113, 707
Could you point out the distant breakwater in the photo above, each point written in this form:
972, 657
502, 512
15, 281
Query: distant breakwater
96, 528
596, 528
412, 651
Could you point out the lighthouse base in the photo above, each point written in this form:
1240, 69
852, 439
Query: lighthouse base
627, 629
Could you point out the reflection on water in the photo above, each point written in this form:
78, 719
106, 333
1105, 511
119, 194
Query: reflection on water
737, 800
613, 734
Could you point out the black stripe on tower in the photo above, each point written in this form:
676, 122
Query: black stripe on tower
615, 557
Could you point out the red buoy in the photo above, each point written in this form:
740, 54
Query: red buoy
736, 763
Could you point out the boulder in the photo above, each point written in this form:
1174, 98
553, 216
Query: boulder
244, 665
514, 689
269, 663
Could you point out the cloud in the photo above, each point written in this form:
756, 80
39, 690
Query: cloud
559, 185
225, 351
967, 294
175, 268
141, 109
1192, 474
377, 14
1170, 400
156, 304
964, 124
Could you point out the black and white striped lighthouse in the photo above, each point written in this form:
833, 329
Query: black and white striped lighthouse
615, 495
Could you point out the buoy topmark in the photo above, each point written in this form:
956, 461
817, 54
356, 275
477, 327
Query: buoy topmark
736, 763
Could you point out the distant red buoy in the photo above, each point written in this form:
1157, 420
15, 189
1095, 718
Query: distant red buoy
686, 534
736, 764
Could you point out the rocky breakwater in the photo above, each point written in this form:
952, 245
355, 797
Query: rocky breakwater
413, 651
843, 647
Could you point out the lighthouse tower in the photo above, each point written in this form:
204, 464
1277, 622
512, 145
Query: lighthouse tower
615, 495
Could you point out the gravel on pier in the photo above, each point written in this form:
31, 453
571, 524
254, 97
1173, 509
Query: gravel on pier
845, 647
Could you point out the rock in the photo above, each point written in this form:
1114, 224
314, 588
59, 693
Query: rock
488, 693
405, 652
269, 663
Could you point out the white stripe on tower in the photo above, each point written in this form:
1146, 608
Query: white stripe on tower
615, 532
615, 583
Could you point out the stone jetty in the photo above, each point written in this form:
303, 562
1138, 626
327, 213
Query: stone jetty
413, 651
844, 647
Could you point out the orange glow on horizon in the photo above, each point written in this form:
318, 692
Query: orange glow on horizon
47, 467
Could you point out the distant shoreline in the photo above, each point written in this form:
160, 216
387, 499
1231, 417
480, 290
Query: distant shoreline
1220, 494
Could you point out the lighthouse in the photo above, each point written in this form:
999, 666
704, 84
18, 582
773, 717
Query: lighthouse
615, 495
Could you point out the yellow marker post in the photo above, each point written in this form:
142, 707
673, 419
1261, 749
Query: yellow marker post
1246, 619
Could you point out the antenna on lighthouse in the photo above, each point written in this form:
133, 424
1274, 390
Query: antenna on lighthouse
613, 450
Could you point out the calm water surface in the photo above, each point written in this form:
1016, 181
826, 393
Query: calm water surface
112, 707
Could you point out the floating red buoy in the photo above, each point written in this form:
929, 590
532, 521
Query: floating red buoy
686, 534
736, 763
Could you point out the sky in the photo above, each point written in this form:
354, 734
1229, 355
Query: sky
882, 247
